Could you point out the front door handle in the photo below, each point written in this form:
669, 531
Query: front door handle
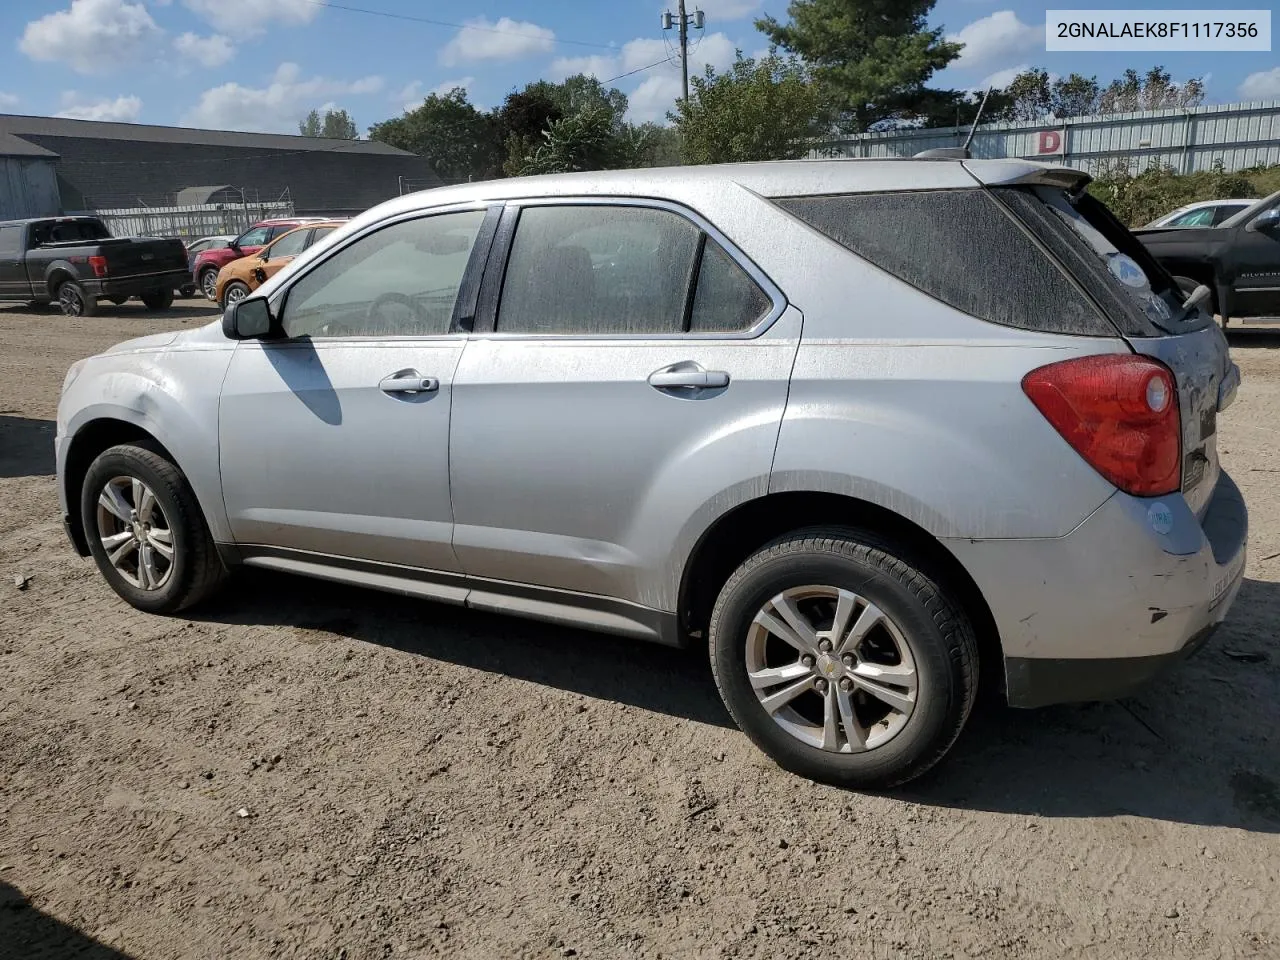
688, 377
408, 381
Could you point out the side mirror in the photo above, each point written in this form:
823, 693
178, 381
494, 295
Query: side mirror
249, 320
235, 246
1265, 222
259, 274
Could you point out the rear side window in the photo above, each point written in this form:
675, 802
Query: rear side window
960, 247
593, 269
10, 241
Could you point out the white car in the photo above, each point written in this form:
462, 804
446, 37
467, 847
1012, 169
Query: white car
1206, 213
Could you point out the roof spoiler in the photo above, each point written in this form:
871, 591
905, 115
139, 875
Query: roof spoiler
958, 153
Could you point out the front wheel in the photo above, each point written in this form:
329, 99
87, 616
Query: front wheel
146, 531
209, 284
234, 293
74, 301
842, 660
158, 299
187, 292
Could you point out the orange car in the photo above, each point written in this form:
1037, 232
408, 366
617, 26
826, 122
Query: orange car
241, 277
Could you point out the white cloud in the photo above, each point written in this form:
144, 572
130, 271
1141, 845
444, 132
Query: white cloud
8, 100
507, 39
412, 95
657, 93
120, 110
211, 51
1002, 78
600, 67
275, 108
247, 18
1000, 36
1263, 85
93, 36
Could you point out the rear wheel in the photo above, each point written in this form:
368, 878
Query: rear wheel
209, 284
842, 660
158, 299
146, 531
74, 301
234, 293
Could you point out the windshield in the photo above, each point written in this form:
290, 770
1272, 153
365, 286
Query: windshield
1248, 213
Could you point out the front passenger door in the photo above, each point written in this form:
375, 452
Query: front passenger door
334, 441
1257, 271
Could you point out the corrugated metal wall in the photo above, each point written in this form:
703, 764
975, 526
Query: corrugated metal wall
1239, 134
28, 188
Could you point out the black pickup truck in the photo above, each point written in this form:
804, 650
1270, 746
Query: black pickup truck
1238, 260
75, 261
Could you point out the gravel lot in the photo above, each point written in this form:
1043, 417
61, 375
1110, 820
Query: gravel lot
302, 770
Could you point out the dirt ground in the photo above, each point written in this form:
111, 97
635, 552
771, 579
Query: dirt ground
301, 770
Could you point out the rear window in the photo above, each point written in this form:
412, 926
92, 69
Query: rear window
68, 231
1136, 292
961, 247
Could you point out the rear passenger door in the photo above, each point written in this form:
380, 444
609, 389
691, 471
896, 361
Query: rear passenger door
627, 367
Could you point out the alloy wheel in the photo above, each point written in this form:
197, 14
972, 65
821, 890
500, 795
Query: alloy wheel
209, 284
831, 668
135, 533
235, 293
70, 300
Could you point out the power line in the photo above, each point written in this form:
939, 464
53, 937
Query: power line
650, 66
460, 26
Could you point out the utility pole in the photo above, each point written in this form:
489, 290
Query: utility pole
682, 20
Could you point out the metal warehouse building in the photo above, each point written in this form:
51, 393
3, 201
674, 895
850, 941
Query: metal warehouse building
1237, 135
50, 166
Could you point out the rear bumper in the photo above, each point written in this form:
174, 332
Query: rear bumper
1096, 614
135, 285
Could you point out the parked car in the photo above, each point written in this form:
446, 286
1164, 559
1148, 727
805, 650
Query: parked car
196, 247
241, 277
1206, 213
75, 261
209, 261
1239, 260
866, 431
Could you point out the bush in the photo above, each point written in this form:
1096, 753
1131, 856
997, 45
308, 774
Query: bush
1139, 199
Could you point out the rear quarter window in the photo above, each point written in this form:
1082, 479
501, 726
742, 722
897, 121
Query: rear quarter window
960, 247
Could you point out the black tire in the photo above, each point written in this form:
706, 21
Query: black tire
158, 299
196, 571
241, 289
187, 292
941, 641
74, 302
209, 283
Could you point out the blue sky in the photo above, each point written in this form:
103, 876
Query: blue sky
261, 64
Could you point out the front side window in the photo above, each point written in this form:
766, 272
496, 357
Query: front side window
290, 245
256, 237
401, 280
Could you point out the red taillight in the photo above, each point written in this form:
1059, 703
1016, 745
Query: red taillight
1119, 412
99, 265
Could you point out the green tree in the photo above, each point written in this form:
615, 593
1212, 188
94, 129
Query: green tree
575, 94
586, 140
872, 58
334, 125
522, 119
765, 109
458, 141
1154, 90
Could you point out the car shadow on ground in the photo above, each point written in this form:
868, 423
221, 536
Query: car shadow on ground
1254, 338
28, 933
193, 309
1198, 746
26, 447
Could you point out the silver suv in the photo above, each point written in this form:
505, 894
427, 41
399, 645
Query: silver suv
868, 430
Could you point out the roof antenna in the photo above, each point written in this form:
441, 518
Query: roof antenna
960, 153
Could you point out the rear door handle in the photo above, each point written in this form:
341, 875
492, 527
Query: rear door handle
689, 378
408, 381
